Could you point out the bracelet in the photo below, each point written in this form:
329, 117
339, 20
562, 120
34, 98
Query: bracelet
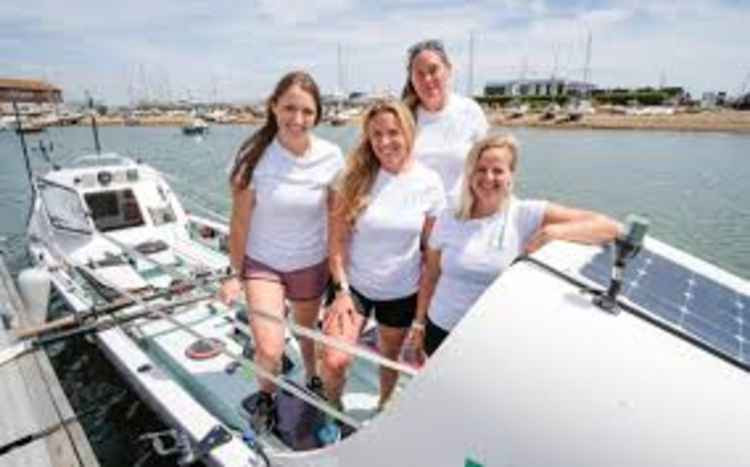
417, 325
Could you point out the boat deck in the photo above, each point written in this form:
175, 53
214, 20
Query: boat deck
36, 414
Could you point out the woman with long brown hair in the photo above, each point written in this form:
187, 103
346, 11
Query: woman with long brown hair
278, 229
383, 209
447, 123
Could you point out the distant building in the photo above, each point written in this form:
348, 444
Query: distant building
34, 97
537, 87
710, 100
28, 90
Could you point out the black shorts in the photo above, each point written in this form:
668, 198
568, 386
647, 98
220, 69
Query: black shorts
396, 313
434, 335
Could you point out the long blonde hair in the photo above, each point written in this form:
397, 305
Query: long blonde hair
466, 199
362, 166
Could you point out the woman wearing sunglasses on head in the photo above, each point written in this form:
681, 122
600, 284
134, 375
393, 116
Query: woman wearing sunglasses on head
447, 124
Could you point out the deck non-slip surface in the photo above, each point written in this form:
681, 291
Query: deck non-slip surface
222, 392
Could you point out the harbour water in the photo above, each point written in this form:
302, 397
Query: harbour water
692, 186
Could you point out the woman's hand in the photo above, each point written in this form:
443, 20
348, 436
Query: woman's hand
339, 314
416, 340
230, 290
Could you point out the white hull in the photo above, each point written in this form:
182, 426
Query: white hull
528, 378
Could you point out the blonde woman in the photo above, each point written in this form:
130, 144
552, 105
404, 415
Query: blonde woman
383, 211
474, 243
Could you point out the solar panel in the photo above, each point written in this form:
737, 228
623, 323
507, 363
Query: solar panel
685, 301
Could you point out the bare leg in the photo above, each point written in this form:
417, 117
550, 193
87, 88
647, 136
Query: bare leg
390, 340
305, 314
266, 296
346, 326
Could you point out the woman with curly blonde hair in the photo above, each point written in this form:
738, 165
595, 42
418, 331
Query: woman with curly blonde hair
383, 209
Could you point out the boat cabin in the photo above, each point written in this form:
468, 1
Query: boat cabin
115, 194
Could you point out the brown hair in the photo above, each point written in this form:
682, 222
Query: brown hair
409, 94
362, 165
252, 148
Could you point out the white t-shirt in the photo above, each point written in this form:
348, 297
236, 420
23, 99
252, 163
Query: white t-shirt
474, 252
384, 255
288, 226
444, 138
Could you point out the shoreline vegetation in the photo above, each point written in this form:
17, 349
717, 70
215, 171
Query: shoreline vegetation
704, 120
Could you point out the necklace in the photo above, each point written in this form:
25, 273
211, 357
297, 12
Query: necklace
498, 239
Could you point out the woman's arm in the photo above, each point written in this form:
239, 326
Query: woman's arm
429, 223
427, 282
243, 201
429, 275
573, 225
338, 239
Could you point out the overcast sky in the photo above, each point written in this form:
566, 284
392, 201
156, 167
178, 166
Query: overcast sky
237, 50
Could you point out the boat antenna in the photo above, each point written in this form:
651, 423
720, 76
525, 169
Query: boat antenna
27, 161
470, 80
587, 65
20, 132
94, 128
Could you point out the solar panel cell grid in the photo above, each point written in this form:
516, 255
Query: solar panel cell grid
690, 303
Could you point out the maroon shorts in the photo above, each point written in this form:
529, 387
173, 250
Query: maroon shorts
301, 284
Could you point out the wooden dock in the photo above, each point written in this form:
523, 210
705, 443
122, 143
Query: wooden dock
38, 428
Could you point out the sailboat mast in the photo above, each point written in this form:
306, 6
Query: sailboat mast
340, 69
470, 80
586, 69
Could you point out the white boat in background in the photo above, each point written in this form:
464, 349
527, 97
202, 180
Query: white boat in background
516, 110
197, 126
650, 110
550, 112
28, 125
578, 108
345, 116
539, 372
219, 116
7, 122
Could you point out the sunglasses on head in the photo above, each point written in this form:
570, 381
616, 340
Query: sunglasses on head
429, 44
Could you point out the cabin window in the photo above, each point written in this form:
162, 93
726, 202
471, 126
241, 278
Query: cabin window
114, 210
64, 208
162, 215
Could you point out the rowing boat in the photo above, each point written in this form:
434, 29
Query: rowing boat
537, 373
